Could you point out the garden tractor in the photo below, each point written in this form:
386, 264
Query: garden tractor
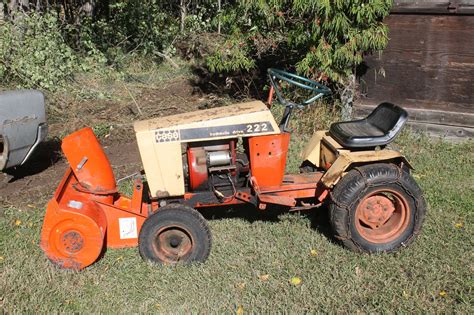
227, 156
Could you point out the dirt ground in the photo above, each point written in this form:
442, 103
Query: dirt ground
33, 184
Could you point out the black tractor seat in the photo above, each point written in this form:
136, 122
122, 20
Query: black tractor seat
378, 129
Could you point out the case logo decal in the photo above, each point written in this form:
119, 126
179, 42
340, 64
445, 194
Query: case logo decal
213, 132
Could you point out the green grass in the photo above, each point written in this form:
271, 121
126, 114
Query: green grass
435, 274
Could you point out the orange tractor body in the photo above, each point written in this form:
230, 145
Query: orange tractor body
227, 156
87, 214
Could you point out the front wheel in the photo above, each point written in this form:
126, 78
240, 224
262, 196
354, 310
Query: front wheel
175, 234
377, 208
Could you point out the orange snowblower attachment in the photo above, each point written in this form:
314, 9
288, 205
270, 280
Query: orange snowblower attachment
87, 214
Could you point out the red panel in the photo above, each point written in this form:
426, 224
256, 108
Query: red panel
198, 176
268, 158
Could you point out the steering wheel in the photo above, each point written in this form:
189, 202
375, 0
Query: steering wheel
318, 90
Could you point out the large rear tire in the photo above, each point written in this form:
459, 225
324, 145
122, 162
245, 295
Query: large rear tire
175, 234
377, 208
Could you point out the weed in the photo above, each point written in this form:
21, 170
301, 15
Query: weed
101, 130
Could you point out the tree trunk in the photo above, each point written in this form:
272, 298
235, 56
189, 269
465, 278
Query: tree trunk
14, 6
183, 9
3, 12
219, 7
87, 8
347, 99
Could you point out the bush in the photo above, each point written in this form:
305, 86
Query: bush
33, 53
134, 25
325, 39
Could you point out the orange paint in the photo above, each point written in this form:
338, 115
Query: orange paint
268, 158
86, 212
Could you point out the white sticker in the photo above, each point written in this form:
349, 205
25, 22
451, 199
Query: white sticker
75, 204
128, 228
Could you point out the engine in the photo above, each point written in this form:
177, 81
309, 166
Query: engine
215, 166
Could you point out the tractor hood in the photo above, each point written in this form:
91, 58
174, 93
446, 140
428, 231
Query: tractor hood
245, 119
160, 139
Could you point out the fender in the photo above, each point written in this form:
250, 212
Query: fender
345, 159
325, 152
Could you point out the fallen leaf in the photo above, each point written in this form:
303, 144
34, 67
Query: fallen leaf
458, 225
264, 277
1, 258
17, 222
314, 252
443, 293
241, 285
30, 206
240, 310
157, 305
295, 281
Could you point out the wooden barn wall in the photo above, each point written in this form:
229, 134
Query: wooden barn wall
428, 68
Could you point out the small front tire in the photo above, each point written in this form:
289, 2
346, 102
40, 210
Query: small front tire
175, 234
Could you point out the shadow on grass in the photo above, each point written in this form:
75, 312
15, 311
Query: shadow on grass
245, 212
319, 217
46, 155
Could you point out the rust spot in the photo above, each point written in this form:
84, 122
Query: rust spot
162, 194
66, 263
72, 242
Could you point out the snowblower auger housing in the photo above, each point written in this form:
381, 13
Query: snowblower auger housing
227, 156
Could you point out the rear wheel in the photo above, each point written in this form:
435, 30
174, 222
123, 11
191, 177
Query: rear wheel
173, 234
377, 208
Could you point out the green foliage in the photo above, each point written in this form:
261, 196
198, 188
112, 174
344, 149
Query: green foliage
231, 56
133, 26
33, 53
322, 39
327, 38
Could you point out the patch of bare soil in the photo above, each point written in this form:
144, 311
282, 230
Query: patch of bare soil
33, 184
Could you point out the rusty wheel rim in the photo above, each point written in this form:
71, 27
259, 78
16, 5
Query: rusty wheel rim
173, 244
69, 242
382, 216
72, 242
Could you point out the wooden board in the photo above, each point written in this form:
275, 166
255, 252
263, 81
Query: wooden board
434, 123
426, 115
428, 68
451, 133
433, 6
